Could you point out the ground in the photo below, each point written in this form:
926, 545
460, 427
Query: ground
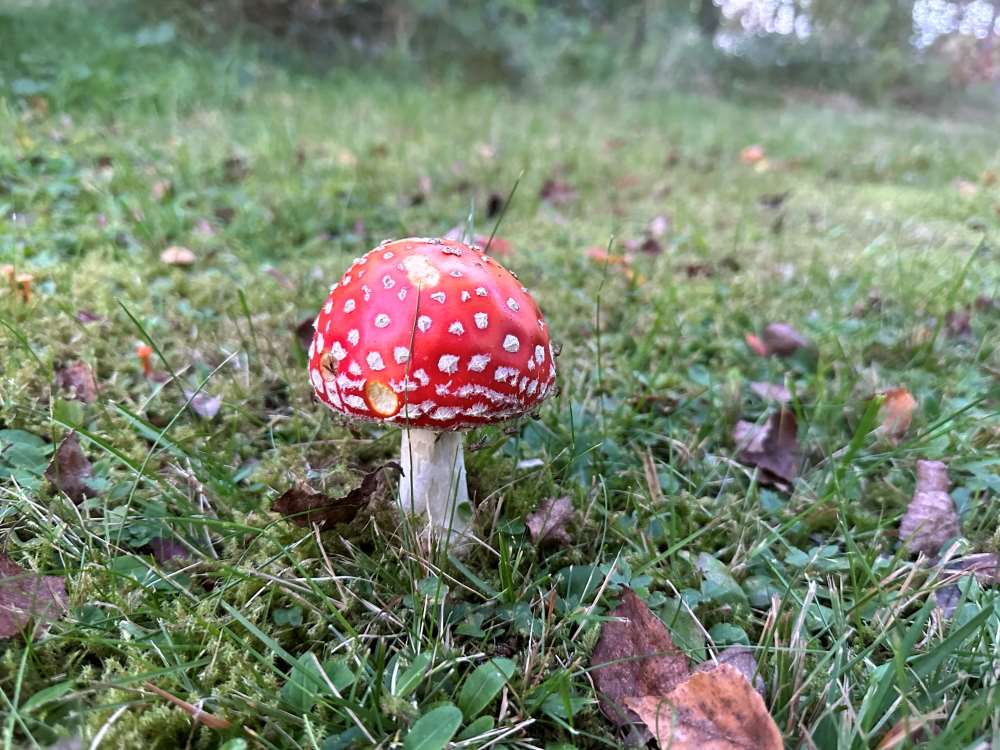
863, 230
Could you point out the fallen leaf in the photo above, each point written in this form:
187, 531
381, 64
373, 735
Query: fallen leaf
896, 413
947, 598
498, 246
714, 710
160, 189
911, 731
27, 596
754, 342
658, 227
634, 656
304, 332
753, 154
225, 214
423, 191
650, 246
78, 379
958, 323
782, 339
70, 470
982, 565
547, 525
742, 659
87, 316
278, 276
557, 191
773, 448
966, 189
202, 404
494, 205
930, 520
235, 169
773, 200
304, 506
165, 549
771, 392
176, 255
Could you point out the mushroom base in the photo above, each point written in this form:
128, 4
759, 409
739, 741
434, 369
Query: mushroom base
433, 481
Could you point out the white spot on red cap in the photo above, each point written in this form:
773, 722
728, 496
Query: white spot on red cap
422, 377
438, 297
465, 296
481, 291
539, 353
319, 341
457, 328
511, 343
503, 374
356, 402
402, 294
448, 363
444, 412
353, 336
338, 351
387, 255
401, 354
349, 305
382, 320
328, 306
532, 387
388, 282
366, 291
312, 348
374, 360
456, 273
346, 280
354, 368
482, 320
317, 380
449, 250
512, 304
424, 323
478, 362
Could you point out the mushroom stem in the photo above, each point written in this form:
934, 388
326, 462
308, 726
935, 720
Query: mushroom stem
433, 481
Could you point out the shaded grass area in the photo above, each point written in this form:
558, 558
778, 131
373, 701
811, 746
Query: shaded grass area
276, 182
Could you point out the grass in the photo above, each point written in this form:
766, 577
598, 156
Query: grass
347, 639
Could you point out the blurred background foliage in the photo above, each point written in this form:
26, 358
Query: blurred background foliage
917, 52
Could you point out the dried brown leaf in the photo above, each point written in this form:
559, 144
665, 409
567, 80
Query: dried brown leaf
304, 506
547, 525
782, 339
26, 596
557, 191
204, 405
177, 255
304, 332
931, 519
78, 379
70, 470
714, 710
742, 658
771, 392
773, 448
958, 323
633, 657
165, 549
896, 413
982, 565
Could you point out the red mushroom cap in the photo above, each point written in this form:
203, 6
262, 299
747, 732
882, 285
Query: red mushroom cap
430, 333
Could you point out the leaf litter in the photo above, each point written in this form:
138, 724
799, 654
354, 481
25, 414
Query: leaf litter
304, 506
547, 525
70, 471
26, 596
642, 677
773, 448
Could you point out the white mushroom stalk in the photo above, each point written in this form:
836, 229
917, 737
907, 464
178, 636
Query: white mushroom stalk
433, 482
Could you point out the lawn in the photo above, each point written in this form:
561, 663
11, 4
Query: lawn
873, 233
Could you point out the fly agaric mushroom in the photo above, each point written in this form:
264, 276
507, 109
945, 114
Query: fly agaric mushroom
435, 336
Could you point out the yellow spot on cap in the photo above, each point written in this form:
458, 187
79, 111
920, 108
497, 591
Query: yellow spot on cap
420, 271
381, 398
